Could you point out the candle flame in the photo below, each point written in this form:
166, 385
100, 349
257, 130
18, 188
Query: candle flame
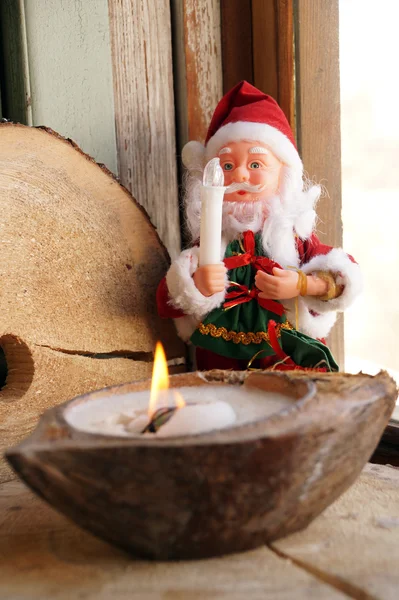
179, 400
160, 383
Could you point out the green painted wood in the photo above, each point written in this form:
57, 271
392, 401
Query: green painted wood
70, 73
14, 68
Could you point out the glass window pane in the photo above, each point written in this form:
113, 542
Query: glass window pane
370, 153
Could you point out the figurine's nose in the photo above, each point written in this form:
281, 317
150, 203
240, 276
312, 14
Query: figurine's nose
241, 174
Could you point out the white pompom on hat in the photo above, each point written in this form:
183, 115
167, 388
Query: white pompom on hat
193, 155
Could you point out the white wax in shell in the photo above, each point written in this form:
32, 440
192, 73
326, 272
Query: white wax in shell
198, 418
208, 408
211, 224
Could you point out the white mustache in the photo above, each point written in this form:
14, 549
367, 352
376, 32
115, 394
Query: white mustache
245, 187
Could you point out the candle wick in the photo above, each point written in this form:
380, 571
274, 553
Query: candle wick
159, 418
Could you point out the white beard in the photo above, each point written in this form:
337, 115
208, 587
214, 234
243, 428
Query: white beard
237, 216
243, 216
277, 218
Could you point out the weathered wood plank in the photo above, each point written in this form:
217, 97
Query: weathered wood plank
265, 54
198, 75
319, 107
355, 543
203, 63
265, 46
236, 21
144, 110
59, 562
286, 62
273, 52
318, 118
197, 69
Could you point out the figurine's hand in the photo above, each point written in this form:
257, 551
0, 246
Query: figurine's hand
282, 285
210, 279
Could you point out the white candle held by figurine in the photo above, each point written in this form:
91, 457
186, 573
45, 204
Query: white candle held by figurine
212, 193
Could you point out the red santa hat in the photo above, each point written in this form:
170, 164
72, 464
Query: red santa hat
246, 113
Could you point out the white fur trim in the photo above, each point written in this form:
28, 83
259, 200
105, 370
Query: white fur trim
316, 326
319, 325
185, 327
347, 274
182, 290
193, 155
259, 132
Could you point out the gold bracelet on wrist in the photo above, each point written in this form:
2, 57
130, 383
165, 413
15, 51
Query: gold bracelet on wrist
302, 284
332, 291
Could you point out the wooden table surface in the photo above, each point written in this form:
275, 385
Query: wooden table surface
350, 551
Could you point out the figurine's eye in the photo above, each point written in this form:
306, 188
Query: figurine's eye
228, 166
254, 165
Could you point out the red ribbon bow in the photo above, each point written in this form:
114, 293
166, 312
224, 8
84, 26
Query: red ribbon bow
242, 293
260, 263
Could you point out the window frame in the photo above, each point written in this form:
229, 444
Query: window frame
290, 50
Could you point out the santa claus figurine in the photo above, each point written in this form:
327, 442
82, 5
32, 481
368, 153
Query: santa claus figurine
274, 295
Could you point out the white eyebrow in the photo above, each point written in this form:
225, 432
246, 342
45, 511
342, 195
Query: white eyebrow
225, 151
258, 150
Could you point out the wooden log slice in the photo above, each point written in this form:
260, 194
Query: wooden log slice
79, 266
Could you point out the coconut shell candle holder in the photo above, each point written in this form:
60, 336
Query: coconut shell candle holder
192, 496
